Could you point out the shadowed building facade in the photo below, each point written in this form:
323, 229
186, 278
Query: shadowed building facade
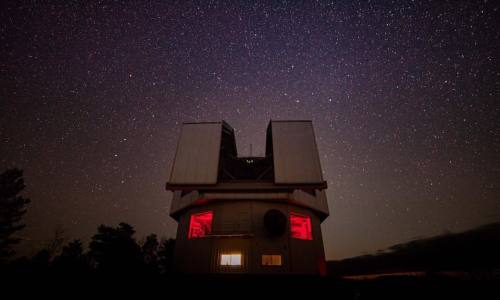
253, 215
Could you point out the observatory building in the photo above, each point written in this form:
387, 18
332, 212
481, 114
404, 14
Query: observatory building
255, 215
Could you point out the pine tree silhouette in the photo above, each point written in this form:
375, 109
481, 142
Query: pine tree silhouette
12, 209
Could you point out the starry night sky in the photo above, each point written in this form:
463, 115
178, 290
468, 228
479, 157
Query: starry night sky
403, 96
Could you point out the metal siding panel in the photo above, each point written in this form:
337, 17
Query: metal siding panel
304, 254
180, 202
295, 154
317, 202
232, 218
246, 196
262, 244
322, 202
197, 157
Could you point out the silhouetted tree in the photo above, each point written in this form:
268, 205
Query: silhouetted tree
56, 243
166, 256
114, 250
150, 252
12, 209
40, 261
72, 259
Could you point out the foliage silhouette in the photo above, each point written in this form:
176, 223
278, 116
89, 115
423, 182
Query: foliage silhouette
72, 259
166, 256
114, 250
150, 253
55, 244
12, 209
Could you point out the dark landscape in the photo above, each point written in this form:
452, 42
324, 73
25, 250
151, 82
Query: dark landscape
327, 149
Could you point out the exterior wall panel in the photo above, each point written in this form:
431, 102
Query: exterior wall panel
248, 237
295, 153
197, 156
317, 201
180, 201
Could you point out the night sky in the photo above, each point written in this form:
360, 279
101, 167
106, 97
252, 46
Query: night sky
404, 98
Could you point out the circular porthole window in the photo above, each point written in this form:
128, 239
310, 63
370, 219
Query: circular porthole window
275, 222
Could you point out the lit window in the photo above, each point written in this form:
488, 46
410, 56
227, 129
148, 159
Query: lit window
300, 226
200, 225
233, 259
271, 260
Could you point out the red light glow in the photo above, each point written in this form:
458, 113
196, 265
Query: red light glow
200, 224
300, 226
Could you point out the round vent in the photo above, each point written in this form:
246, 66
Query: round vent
275, 222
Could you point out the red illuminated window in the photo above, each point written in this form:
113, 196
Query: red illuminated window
200, 225
300, 226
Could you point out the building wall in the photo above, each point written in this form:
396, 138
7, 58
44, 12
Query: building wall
244, 221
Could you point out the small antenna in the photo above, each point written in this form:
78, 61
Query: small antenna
250, 149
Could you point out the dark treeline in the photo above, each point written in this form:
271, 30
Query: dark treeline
112, 250
474, 251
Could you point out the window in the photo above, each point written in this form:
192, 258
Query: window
200, 225
271, 260
232, 259
300, 226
